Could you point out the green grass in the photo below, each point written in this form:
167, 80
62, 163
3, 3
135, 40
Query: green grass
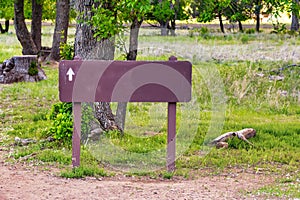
89, 166
84, 171
228, 95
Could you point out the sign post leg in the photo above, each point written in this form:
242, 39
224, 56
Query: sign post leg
76, 134
171, 148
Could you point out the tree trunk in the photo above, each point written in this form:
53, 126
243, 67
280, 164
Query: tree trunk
36, 23
23, 35
133, 42
173, 27
88, 47
5, 30
240, 26
257, 14
175, 7
221, 22
164, 27
61, 28
132, 54
295, 18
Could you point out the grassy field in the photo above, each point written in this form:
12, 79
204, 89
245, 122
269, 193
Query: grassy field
233, 88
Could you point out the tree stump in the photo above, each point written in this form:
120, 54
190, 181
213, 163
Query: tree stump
21, 69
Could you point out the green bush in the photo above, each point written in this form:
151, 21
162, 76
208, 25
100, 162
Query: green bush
62, 125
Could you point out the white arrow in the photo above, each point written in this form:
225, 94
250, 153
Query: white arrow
70, 73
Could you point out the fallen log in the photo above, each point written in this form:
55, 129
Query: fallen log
244, 134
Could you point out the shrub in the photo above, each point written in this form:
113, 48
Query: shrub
62, 126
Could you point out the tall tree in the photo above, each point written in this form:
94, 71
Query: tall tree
238, 11
210, 10
179, 13
61, 28
162, 12
166, 12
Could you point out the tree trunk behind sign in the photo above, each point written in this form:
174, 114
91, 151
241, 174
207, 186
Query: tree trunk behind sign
131, 55
61, 28
88, 47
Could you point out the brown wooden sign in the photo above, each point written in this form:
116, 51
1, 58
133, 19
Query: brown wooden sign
125, 81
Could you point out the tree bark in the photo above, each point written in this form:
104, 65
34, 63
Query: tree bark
23, 35
221, 22
61, 28
88, 47
240, 26
36, 23
133, 41
6, 28
175, 6
257, 14
295, 18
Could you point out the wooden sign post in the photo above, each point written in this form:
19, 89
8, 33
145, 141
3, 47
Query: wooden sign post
125, 81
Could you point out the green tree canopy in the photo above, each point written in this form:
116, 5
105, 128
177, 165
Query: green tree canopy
6, 9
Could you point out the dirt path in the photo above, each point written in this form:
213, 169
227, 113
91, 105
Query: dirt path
17, 182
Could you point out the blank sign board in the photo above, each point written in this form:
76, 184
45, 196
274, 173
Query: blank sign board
124, 81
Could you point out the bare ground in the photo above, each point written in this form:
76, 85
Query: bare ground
19, 181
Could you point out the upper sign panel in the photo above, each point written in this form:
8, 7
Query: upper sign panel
124, 81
